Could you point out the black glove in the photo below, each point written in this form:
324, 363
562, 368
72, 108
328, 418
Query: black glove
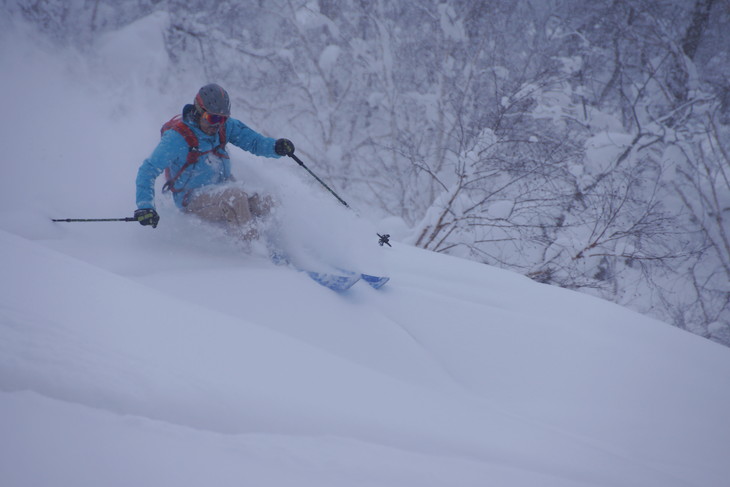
147, 216
284, 147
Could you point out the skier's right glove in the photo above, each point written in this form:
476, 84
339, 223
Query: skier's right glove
147, 216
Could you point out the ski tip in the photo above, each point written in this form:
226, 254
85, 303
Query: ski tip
375, 281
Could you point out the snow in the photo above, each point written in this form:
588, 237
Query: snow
121, 58
604, 148
501, 209
133, 356
328, 58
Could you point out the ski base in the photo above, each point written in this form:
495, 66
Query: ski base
336, 282
375, 281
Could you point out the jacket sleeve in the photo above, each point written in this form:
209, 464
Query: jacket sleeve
240, 135
172, 148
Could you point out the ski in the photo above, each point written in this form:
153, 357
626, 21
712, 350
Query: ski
336, 282
375, 281
340, 281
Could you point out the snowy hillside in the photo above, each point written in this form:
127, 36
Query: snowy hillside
133, 356
218, 369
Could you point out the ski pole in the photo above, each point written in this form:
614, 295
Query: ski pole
71, 220
384, 239
299, 161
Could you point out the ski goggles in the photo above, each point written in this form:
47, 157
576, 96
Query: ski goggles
213, 118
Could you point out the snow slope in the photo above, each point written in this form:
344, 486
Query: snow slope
132, 356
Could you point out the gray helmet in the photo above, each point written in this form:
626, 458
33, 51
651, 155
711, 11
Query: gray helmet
213, 99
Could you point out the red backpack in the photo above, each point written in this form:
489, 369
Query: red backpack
176, 123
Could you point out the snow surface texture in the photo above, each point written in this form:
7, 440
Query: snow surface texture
132, 356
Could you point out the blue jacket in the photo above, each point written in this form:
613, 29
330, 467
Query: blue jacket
210, 169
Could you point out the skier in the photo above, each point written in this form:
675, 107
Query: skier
192, 154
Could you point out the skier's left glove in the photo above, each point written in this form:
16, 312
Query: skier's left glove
284, 147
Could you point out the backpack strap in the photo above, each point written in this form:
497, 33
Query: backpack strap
177, 124
222, 136
219, 150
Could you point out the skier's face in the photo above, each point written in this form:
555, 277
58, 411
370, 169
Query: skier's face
210, 123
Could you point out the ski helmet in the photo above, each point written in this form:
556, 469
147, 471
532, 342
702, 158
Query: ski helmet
213, 99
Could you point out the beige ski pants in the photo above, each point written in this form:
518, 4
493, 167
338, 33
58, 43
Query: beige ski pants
232, 207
